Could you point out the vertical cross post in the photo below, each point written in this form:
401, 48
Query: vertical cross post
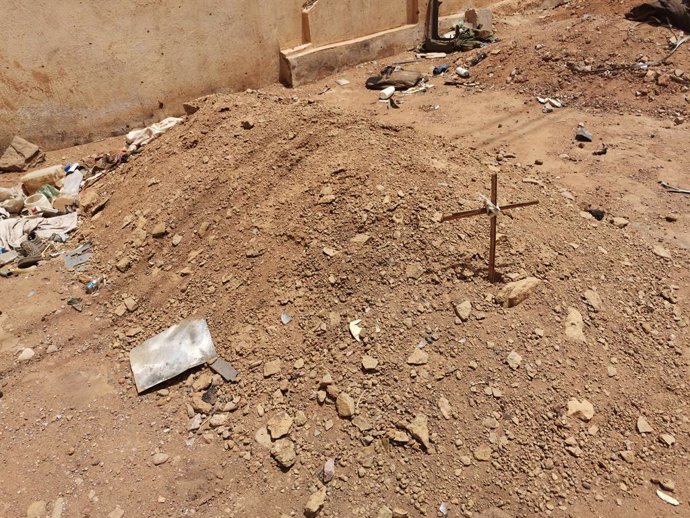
492, 244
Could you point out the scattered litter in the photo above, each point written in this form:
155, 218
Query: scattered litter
443, 509
422, 87
431, 55
140, 137
94, 285
355, 329
78, 256
387, 93
671, 188
462, 72
583, 135
342, 82
477, 59
667, 498
602, 151
463, 37
222, 367
441, 69
179, 348
549, 101
394, 76
285, 319
429, 107
8, 257
665, 13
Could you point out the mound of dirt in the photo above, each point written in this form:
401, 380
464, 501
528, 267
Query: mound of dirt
266, 205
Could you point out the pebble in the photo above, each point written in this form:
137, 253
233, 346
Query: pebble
369, 363
160, 230
667, 439
283, 451
593, 299
662, 252
464, 310
643, 426
483, 453
514, 360
123, 264
177, 239
345, 405
328, 471
419, 430
272, 368
315, 503
516, 292
36, 509
116, 513
26, 355
583, 410
263, 438
445, 408
160, 458
384, 512
620, 222
279, 425
202, 382
414, 271
574, 326
418, 357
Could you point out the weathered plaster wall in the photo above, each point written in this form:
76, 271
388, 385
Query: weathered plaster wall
75, 70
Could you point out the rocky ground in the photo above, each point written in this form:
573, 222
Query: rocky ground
380, 373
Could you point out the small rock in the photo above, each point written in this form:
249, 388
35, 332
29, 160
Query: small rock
593, 299
418, 357
419, 430
464, 310
369, 364
279, 425
130, 304
400, 513
202, 382
620, 222
116, 513
263, 437
26, 354
667, 439
384, 512
445, 408
315, 503
662, 252
583, 410
160, 458
283, 451
611, 371
201, 406
627, 455
272, 368
177, 239
300, 418
414, 271
219, 420
328, 471
483, 453
514, 293
36, 509
345, 405
574, 326
663, 80
195, 423
160, 230
643, 426
514, 360
123, 264
247, 124
360, 239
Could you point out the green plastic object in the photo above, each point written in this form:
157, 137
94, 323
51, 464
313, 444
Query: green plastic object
49, 191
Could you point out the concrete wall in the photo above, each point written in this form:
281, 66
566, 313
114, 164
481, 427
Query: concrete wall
75, 70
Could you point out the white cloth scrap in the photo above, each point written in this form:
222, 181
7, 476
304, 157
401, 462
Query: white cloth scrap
13, 231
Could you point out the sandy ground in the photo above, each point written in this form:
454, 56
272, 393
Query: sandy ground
79, 441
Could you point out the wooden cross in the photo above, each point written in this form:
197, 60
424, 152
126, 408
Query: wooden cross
492, 210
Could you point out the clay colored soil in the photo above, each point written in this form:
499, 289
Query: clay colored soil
380, 373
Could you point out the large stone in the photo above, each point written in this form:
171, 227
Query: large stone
583, 410
279, 425
418, 357
315, 503
369, 363
574, 326
662, 252
20, 156
283, 451
345, 405
463, 310
514, 360
263, 438
419, 429
483, 453
514, 293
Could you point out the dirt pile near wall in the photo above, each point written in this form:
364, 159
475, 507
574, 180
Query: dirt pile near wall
278, 206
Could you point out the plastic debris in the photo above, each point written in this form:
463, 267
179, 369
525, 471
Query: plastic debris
179, 348
462, 72
78, 256
667, 498
285, 319
355, 329
222, 367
